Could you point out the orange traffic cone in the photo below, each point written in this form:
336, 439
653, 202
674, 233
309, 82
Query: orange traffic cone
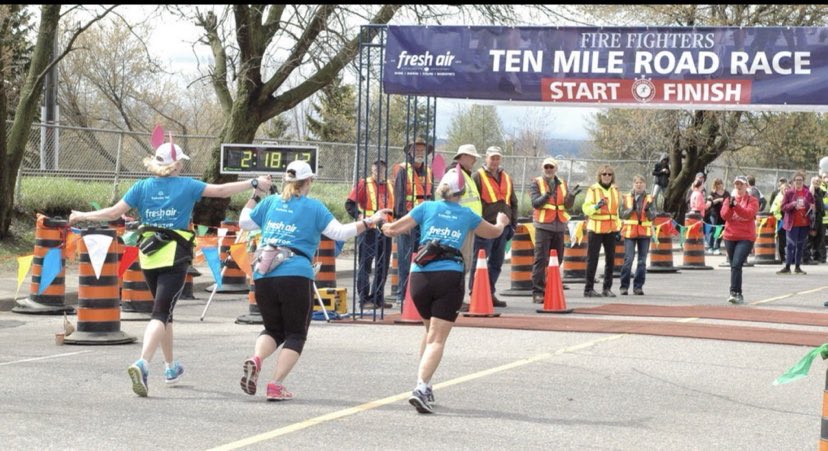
553, 297
481, 297
409, 314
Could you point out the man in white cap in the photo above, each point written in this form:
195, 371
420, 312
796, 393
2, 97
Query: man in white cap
550, 199
413, 182
497, 195
464, 159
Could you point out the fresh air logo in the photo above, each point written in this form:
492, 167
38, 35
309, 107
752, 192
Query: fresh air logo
425, 61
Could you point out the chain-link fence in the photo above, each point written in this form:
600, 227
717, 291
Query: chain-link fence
115, 158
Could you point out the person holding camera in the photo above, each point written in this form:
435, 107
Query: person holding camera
601, 206
437, 273
164, 203
637, 213
550, 200
291, 225
739, 214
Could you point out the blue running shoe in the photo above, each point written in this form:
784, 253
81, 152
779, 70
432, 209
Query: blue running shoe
420, 401
173, 374
138, 373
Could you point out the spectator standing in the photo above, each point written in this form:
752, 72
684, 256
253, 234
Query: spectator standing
815, 247
373, 248
601, 206
637, 213
754, 191
718, 196
661, 178
739, 213
497, 195
550, 199
796, 204
776, 210
412, 186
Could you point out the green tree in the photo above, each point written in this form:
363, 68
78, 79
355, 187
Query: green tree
335, 109
696, 138
278, 128
479, 125
13, 145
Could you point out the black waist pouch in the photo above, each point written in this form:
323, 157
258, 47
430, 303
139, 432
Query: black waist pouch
153, 243
433, 251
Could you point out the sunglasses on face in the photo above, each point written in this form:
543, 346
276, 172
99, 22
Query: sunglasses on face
607, 173
549, 166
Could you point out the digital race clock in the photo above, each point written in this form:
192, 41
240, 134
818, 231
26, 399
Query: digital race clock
263, 158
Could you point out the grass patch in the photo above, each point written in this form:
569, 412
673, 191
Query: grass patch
20, 243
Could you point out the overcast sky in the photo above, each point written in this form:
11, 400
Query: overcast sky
172, 40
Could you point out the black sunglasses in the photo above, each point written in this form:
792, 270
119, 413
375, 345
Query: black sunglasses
606, 173
549, 166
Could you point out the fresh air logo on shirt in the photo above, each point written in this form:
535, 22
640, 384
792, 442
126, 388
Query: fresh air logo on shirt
159, 215
444, 232
279, 228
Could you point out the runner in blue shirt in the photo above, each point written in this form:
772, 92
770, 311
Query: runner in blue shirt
292, 225
437, 275
165, 203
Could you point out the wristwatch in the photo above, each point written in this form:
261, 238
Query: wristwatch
254, 183
256, 198
368, 223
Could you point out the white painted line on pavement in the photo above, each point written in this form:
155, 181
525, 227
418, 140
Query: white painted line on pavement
403, 396
43, 358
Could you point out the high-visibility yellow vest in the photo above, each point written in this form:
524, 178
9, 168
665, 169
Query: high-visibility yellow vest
605, 219
494, 192
471, 198
374, 202
637, 225
420, 193
550, 211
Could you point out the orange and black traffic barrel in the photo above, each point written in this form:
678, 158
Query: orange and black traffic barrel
661, 245
694, 242
764, 248
575, 256
326, 255
188, 293
136, 296
254, 315
49, 234
618, 262
99, 315
522, 256
394, 272
233, 279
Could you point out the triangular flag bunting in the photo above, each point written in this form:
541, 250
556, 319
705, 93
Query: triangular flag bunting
23, 266
239, 253
51, 268
212, 257
97, 246
202, 230
130, 254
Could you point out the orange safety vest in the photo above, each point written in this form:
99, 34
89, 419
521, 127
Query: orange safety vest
549, 211
418, 195
373, 202
602, 222
493, 192
637, 225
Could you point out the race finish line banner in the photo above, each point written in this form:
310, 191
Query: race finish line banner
749, 68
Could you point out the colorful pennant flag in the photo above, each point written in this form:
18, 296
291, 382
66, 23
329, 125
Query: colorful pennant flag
239, 253
52, 266
531, 229
97, 246
801, 369
202, 230
212, 256
130, 254
23, 266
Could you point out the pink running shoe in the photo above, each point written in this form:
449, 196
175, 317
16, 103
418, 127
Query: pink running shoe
278, 392
252, 366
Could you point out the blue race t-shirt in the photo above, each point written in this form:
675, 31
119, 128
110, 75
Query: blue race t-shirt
165, 201
447, 222
297, 223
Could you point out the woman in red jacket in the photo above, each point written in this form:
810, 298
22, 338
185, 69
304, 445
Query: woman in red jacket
739, 213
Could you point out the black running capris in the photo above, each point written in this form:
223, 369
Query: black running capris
286, 305
166, 285
438, 294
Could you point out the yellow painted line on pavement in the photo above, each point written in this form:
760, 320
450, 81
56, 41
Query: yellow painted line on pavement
403, 396
43, 358
784, 296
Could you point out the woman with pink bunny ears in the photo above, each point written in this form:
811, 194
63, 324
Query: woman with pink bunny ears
164, 203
